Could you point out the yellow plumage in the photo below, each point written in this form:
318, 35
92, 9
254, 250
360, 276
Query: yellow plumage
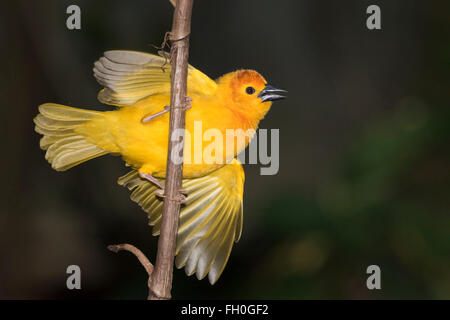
139, 84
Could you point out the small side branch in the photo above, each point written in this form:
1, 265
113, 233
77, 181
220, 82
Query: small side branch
148, 266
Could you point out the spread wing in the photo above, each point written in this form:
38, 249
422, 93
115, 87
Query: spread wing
128, 76
210, 220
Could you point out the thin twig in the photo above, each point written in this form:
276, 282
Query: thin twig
138, 253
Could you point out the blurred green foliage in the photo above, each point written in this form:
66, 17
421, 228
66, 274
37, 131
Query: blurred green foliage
387, 205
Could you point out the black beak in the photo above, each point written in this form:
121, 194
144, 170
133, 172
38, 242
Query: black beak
270, 93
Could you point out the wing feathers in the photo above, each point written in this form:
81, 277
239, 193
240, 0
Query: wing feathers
132, 57
128, 76
206, 250
210, 220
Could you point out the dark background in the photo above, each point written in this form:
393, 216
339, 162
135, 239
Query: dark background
364, 150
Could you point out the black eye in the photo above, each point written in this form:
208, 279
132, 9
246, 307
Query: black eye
250, 90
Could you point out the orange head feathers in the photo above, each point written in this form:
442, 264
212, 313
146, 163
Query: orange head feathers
250, 94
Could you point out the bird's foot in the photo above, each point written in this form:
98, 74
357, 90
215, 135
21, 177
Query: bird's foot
151, 117
188, 103
152, 179
180, 197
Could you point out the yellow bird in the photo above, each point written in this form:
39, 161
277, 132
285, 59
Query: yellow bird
139, 84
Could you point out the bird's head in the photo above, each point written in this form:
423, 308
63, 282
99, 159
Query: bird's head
248, 93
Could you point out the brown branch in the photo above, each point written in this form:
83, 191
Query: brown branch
138, 253
160, 275
160, 284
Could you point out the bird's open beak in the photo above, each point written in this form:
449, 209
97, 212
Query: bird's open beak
270, 93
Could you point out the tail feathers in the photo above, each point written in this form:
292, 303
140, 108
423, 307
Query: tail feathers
65, 147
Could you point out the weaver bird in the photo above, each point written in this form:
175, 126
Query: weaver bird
138, 130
